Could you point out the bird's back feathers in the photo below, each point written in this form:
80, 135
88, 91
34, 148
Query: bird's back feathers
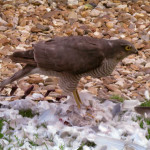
74, 54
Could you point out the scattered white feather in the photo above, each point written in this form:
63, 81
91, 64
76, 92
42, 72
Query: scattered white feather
58, 125
147, 96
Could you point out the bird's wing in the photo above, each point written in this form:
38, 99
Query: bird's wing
69, 54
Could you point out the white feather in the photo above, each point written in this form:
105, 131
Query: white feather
147, 96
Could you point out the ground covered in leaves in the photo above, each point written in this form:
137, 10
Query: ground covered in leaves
24, 22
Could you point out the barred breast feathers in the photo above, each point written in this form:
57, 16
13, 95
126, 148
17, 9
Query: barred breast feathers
105, 69
69, 82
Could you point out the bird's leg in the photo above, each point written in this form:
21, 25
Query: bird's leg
78, 101
76, 98
68, 86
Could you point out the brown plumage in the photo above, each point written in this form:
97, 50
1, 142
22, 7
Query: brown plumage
70, 58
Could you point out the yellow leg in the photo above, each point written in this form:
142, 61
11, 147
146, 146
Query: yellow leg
76, 98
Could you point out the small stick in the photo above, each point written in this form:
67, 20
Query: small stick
14, 88
2, 89
49, 91
27, 92
60, 97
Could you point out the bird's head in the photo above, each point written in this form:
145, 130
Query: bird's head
121, 48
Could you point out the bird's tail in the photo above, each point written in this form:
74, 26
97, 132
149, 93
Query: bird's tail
27, 70
23, 57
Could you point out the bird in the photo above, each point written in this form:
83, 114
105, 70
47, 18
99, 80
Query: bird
71, 58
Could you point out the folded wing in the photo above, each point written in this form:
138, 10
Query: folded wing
70, 54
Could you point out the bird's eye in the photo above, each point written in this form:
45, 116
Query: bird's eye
128, 48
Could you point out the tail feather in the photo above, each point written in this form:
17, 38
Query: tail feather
23, 57
27, 70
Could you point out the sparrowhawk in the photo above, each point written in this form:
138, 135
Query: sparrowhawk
71, 58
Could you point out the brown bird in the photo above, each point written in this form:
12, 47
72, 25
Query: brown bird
71, 58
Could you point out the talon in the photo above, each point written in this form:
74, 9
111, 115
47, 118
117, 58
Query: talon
90, 115
78, 97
